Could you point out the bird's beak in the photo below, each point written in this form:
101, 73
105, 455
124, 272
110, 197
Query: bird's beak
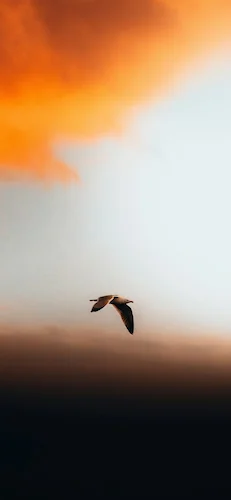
131, 301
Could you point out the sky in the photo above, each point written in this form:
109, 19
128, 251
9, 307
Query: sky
137, 201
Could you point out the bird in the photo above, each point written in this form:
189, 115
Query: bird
120, 303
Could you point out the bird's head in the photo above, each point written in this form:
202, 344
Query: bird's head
122, 299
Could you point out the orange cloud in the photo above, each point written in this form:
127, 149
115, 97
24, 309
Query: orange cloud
72, 69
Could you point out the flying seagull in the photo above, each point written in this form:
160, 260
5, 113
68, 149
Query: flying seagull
121, 306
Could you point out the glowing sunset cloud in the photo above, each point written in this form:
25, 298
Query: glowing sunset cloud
71, 69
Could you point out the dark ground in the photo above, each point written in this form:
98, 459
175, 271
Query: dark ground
104, 440
69, 447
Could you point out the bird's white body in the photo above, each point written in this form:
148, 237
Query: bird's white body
120, 303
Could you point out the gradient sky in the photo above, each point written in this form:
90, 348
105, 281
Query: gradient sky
149, 220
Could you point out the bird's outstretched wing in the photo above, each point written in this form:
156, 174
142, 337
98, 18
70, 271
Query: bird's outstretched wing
126, 315
102, 302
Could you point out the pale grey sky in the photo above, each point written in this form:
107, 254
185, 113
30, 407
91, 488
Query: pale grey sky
150, 220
